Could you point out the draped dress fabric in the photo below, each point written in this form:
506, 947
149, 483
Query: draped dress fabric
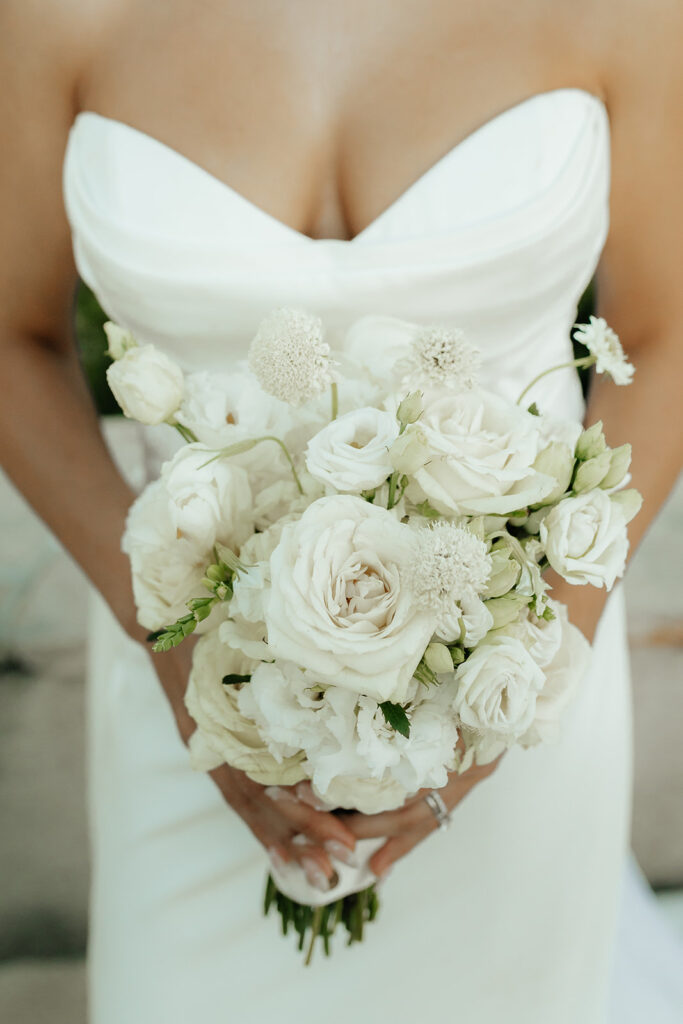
510, 916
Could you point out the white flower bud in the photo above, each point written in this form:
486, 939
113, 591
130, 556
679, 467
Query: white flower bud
590, 473
438, 658
410, 450
505, 570
556, 460
505, 610
619, 464
120, 339
147, 384
629, 501
591, 442
410, 408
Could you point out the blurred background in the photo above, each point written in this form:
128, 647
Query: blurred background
43, 831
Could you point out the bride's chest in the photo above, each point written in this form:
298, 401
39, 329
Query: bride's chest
319, 114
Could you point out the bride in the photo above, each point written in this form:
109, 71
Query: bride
469, 164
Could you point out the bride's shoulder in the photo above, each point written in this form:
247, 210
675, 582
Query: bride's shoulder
55, 32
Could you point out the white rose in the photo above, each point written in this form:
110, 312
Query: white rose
337, 605
585, 539
563, 673
497, 688
147, 384
167, 570
352, 452
224, 734
222, 409
482, 453
210, 498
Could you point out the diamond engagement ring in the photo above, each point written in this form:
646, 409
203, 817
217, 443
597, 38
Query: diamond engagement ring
435, 803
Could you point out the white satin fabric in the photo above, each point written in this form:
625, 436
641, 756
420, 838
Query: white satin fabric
511, 915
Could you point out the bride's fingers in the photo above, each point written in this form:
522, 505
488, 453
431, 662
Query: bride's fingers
319, 826
397, 847
315, 862
389, 823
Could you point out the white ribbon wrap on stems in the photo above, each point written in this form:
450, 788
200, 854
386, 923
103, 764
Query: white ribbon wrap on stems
291, 880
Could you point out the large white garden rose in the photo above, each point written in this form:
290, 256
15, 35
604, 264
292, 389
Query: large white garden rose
224, 734
585, 539
210, 498
337, 602
352, 452
482, 454
147, 384
497, 688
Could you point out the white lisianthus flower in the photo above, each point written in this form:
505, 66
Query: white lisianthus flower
290, 357
286, 706
337, 603
357, 761
497, 689
585, 538
563, 672
147, 384
482, 454
224, 734
603, 343
210, 498
167, 570
351, 453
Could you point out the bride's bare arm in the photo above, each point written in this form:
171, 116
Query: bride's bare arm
641, 296
50, 442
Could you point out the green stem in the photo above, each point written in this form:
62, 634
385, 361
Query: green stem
334, 394
184, 432
315, 931
584, 361
393, 481
245, 446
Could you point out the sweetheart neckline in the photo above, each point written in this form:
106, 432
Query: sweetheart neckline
403, 195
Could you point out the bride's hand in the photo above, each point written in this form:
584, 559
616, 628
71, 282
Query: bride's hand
274, 814
409, 825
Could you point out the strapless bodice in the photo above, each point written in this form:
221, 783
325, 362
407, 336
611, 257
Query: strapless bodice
499, 237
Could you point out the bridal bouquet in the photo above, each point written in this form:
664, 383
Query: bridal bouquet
359, 531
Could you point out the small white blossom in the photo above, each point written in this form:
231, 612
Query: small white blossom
448, 563
603, 343
443, 356
289, 356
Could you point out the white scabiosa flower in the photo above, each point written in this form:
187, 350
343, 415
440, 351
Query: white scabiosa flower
603, 343
443, 356
449, 563
290, 357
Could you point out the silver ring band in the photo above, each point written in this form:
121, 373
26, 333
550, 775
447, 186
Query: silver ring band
435, 803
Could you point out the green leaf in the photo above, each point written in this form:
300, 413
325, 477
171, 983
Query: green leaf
427, 510
395, 716
533, 409
233, 678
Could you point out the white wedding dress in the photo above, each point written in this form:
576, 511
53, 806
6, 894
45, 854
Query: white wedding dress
510, 916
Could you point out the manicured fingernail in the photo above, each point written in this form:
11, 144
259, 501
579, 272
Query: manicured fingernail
276, 859
300, 840
277, 793
385, 874
315, 874
342, 853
